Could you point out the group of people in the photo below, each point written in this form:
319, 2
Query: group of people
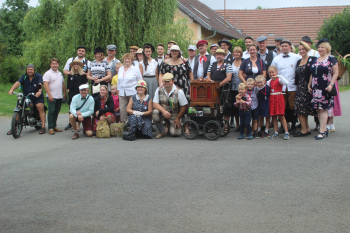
139, 89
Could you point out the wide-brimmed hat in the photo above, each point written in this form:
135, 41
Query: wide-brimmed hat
321, 41
201, 42
139, 51
99, 50
306, 46
76, 62
220, 51
168, 77
225, 41
152, 48
141, 83
175, 47
134, 47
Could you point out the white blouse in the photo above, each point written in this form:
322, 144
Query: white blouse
127, 81
151, 68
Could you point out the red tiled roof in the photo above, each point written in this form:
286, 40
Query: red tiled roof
208, 18
291, 23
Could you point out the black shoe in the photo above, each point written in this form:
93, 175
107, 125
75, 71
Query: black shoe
68, 126
255, 135
300, 134
260, 133
265, 135
292, 131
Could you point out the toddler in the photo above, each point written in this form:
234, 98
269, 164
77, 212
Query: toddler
244, 102
252, 92
263, 103
115, 96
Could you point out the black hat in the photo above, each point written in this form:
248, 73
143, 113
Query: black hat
249, 37
81, 47
225, 41
152, 48
99, 50
306, 39
321, 41
286, 41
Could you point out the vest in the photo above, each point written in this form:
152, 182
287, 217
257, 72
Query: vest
268, 61
218, 75
170, 104
205, 66
229, 59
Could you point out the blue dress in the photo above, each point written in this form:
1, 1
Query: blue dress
263, 100
142, 123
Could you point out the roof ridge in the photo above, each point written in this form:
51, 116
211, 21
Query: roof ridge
343, 6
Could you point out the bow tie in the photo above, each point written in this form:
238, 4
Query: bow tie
83, 98
202, 58
284, 56
160, 57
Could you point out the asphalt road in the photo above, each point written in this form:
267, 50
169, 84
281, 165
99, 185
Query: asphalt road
54, 184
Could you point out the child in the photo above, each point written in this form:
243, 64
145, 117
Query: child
115, 96
244, 102
115, 77
252, 92
276, 103
263, 103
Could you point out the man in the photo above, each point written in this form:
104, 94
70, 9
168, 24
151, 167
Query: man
54, 86
221, 71
192, 52
133, 49
81, 51
170, 105
264, 54
248, 40
278, 40
112, 61
311, 53
202, 60
171, 43
28, 82
213, 47
286, 63
225, 44
160, 57
81, 110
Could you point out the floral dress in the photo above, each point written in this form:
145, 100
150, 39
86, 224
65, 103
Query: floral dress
321, 77
303, 98
181, 78
142, 123
96, 120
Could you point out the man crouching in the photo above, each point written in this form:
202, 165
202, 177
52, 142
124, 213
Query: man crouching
81, 109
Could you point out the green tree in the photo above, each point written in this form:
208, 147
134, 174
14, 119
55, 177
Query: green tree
259, 8
337, 29
239, 43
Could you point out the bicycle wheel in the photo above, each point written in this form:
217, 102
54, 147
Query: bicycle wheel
193, 129
212, 130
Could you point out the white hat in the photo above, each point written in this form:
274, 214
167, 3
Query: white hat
84, 86
192, 47
175, 47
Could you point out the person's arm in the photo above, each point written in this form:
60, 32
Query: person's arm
209, 76
283, 80
14, 87
138, 75
107, 78
335, 72
310, 82
149, 112
73, 107
66, 67
157, 76
89, 75
47, 89
179, 116
160, 79
264, 73
64, 90
240, 76
191, 75
227, 79
141, 69
129, 107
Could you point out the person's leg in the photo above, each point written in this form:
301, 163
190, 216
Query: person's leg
72, 121
123, 103
275, 125
40, 107
302, 120
284, 123
323, 117
87, 126
247, 120
109, 119
51, 113
227, 125
241, 120
58, 105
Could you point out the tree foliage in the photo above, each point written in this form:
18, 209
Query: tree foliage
337, 29
239, 43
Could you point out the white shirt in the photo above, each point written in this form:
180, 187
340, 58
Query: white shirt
200, 71
246, 54
286, 67
281, 80
127, 81
151, 68
191, 62
70, 60
112, 63
160, 60
313, 53
56, 81
263, 56
181, 95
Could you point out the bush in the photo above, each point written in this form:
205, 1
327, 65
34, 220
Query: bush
11, 69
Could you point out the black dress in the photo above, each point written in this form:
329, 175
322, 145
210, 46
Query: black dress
73, 83
181, 79
302, 105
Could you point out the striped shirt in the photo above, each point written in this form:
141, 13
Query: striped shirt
228, 68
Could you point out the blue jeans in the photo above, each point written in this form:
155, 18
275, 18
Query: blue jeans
245, 116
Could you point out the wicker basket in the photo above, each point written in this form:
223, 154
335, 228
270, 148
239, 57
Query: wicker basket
341, 68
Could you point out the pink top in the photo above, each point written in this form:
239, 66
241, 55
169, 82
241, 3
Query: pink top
116, 101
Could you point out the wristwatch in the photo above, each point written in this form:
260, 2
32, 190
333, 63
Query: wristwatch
331, 84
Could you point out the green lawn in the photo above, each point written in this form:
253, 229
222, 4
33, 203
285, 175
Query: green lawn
347, 88
8, 103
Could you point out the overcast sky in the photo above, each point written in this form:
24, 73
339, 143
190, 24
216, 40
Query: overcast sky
252, 4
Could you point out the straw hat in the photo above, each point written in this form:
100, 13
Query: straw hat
141, 83
220, 51
168, 77
76, 62
139, 51
306, 46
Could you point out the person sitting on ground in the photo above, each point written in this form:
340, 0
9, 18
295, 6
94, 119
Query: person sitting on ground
166, 103
104, 108
140, 108
81, 110
29, 81
115, 96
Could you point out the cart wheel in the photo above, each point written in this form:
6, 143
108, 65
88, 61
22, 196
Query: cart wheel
212, 130
222, 123
192, 128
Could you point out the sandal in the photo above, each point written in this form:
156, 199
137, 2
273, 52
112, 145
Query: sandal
187, 132
9, 132
226, 129
42, 131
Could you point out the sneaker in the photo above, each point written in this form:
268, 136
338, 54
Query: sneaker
286, 136
250, 137
260, 133
265, 135
256, 135
68, 126
274, 135
241, 136
232, 125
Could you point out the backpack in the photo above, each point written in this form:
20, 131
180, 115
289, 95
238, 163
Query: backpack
117, 129
102, 129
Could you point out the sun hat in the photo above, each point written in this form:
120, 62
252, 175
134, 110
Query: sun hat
306, 46
139, 50
220, 51
168, 77
141, 83
175, 47
84, 86
76, 62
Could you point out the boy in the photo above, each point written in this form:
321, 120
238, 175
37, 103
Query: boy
252, 91
244, 102
263, 103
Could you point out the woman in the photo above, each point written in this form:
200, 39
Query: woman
302, 105
324, 73
179, 68
99, 71
236, 64
140, 108
128, 76
104, 108
252, 66
74, 80
138, 60
150, 69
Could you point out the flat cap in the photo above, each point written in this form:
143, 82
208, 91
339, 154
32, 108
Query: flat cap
279, 38
261, 38
168, 77
202, 42
286, 41
192, 47
249, 37
134, 47
111, 47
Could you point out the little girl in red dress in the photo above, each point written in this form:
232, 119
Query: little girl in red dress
276, 103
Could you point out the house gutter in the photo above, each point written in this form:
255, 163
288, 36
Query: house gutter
210, 36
